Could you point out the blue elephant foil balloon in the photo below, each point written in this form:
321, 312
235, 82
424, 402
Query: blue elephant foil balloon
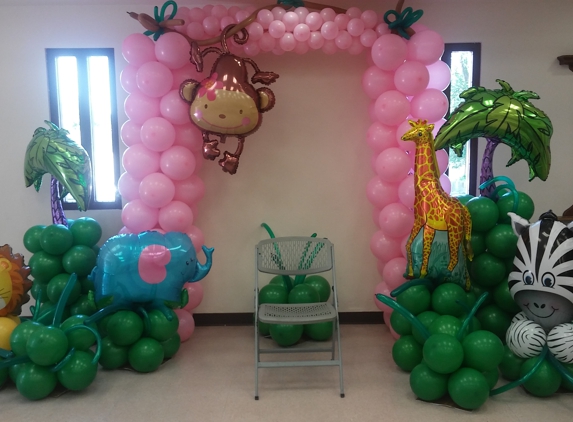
149, 268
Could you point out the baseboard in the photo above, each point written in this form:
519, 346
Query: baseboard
246, 318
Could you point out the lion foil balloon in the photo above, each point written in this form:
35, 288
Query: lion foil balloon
226, 104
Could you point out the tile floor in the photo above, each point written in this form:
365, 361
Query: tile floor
212, 379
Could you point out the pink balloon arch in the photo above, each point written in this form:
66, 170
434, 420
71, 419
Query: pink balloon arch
405, 81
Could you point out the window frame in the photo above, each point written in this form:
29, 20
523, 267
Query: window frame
475, 48
82, 55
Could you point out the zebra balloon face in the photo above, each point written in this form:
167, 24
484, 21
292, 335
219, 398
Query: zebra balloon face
541, 282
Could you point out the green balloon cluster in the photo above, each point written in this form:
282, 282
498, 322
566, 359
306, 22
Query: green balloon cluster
282, 289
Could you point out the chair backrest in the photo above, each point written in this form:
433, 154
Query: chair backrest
294, 255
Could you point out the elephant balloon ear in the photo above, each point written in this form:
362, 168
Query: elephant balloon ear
518, 224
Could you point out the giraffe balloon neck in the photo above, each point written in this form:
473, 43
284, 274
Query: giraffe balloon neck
426, 162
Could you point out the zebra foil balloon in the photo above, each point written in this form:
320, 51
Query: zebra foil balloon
541, 283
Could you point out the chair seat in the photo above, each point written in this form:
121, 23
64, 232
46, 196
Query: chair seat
299, 313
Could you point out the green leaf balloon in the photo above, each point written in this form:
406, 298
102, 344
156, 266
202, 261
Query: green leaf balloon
52, 151
506, 116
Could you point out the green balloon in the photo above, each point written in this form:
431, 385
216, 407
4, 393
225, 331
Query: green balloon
86, 231
446, 324
124, 328
478, 243
79, 259
468, 388
483, 350
286, 334
400, 324
145, 355
491, 377
35, 382
508, 266
47, 346
160, 327
443, 353
321, 285
87, 285
272, 293
415, 299
264, 329
464, 198
501, 241
57, 285
45, 266
78, 372
484, 213
283, 280
428, 385
32, 238
564, 381
407, 353
426, 318
112, 355
479, 290
14, 370
544, 382
20, 336
510, 365
79, 338
35, 291
303, 293
471, 299
493, 319
102, 325
320, 331
448, 299
83, 306
503, 298
171, 346
487, 270
525, 206
474, 324
3, 375
56, 239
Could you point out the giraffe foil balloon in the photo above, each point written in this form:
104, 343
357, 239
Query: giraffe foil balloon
440, 239
226, 104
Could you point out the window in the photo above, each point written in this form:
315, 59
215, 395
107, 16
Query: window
464, 61
82, 97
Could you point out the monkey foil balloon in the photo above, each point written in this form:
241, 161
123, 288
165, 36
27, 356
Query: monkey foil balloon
226, 104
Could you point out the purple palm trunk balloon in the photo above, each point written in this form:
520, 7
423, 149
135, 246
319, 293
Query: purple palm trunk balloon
487, 167
58, 216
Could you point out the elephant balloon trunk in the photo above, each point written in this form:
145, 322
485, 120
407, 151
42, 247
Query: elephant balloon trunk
203, 269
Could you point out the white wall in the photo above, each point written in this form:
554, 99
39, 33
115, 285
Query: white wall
306, 169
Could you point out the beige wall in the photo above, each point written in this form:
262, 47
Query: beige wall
306, 169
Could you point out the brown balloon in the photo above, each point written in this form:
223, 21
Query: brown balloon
226, 104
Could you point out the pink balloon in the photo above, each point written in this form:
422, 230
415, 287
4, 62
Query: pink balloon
396, 220
382, 29
392, 165
375, 216
382, 288
426, 47
124, 230
189, 191
128, 187
172, 50
353, 12
313, 20
186, 324
411, 78
327, 14
370, 18
277, 29
343, 40
267, 42
197, 238
403, 246
437, 126
381, 193
226, 21
291, 20
316, 40
380, 137
196, 31
256, 31
392, 108
368, 38
241, 15
182, 74
278, 13
446, 183
188, 136
389, 51
140, 107
232, 11
154, 79
207, 9
138, 217
138, 49
211, 26
393, 274
301, 47
393, 333
265, 17
431, 105
408, 146
174, 109
302, 13
406, 191
130, 133
356, 47
329, 47
177, 162
176, 216
251, 48
301, 32
128, 79
139, 161
329, 30
157, 134
376, 81
196, 293
440, 75
418, 27
384, 247
355, 27
219, 11
443, 160
342, 21
196, 14
287, 42
156, 190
